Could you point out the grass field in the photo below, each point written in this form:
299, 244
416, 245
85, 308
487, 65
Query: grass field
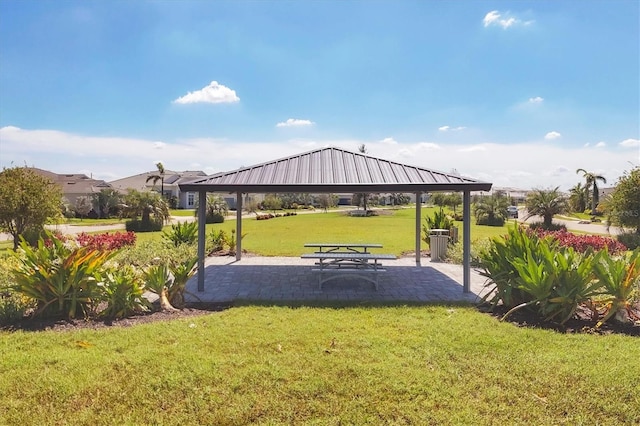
286, 236
315, 365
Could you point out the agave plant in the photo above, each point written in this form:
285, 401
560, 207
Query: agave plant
62, 280
182, 233
619, 279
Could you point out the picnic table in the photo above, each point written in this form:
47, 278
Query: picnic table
335, 260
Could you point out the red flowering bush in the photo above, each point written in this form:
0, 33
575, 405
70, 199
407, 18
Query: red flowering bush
107, 241
582, 243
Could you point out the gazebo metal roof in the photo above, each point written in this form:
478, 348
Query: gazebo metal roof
333, 170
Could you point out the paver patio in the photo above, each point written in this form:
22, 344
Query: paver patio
291, 279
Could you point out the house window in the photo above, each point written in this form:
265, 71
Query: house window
191, 199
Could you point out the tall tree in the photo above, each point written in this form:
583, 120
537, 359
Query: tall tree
363, 196
624, 204
592, 179
27, 201
545, 203
158, 177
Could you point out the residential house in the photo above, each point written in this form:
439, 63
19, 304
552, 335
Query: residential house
74, 185
145, 182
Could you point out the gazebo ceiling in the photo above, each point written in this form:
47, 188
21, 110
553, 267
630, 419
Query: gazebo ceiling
333, 170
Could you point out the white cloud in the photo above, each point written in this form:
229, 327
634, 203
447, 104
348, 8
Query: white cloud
523, 165
496, 18
294, 122
552, 135
389, 141
214, 93
630, 143
601, 144
452, 129
473, 148
536, 100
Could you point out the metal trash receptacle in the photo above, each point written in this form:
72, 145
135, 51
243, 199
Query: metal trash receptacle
438, 240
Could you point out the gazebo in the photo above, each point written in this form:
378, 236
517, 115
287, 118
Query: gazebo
334, 170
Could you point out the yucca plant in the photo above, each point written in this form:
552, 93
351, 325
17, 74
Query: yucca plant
123, 292
619, 278
182, 233
181, 274
157, 280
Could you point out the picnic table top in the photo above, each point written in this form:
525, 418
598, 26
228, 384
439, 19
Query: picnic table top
359, 256
363, 245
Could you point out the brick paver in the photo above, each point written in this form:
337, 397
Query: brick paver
291, 279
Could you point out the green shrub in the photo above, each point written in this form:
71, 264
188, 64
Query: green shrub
454, 251
490, 221
123, 292
182, 233
214, 218
631, 240
154, 252
13, 306
553, 227
440, 220
62, 281
137, 225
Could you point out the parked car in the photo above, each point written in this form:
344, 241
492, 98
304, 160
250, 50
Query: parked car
512, 211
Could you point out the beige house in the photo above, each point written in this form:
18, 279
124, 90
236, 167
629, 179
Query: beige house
172, 180
74, 186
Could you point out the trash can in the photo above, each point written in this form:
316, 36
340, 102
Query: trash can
438, 240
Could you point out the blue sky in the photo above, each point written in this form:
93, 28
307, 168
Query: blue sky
517, 93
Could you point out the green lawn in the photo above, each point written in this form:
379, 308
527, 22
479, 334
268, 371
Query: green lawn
92, 222
349, 365
286, 236
182, 212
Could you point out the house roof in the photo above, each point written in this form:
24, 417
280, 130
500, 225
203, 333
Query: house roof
73, 183
140, 183
333, 170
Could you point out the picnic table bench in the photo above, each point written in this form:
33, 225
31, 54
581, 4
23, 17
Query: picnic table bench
337, 260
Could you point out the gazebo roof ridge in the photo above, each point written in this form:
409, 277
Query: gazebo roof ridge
320, 168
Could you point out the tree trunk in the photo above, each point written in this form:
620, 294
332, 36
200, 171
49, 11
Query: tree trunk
547, 221
594, 199
165, 305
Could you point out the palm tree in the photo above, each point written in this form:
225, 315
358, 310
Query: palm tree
579, 198
146, 204
158, 177
491, 210
592, 179
363, 196
545, 203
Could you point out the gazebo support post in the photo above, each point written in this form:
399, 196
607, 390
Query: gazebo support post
466, 242
239, 226
202, 221
418, 221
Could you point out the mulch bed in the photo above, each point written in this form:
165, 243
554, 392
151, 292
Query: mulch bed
41, 324
580, 324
